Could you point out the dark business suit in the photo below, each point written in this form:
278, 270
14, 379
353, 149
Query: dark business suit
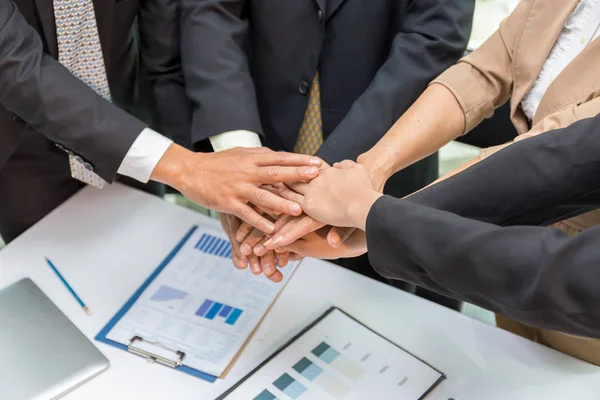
374, 58
34, 173
535, 275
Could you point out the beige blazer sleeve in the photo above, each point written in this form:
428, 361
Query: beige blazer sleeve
483, 80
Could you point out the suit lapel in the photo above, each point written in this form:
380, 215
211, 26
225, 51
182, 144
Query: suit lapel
322, 4
542, 28
573, 84
45, 11
332, 7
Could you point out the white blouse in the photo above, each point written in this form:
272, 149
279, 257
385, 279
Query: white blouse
581, 28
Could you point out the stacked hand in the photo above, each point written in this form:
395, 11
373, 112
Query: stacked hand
340, 196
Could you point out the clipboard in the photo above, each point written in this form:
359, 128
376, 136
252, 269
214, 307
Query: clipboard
153, 351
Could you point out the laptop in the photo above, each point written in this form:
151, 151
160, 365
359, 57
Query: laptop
42, 354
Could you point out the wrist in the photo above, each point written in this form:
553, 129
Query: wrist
172, 169
379, 170
359, 210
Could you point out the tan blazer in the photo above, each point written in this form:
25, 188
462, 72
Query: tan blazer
505, 68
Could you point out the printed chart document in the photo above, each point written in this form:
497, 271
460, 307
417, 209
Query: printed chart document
199, 305
338, 358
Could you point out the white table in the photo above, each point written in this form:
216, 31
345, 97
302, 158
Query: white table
107, 242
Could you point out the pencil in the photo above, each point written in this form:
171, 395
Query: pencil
64, 281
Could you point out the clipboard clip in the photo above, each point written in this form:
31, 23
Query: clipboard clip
138, 346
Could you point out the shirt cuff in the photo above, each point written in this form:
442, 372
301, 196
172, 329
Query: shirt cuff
231, 139
144, 154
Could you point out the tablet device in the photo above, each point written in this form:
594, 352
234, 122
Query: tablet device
42, 354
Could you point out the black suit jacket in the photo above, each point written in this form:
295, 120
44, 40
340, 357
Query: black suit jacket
532, 274
121, 43
375, 57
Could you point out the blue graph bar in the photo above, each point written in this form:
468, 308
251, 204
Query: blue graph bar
212, 246
204, 308
214, 310
207, 243
220, 247
201, 241
233, 317
225, 311
225, 249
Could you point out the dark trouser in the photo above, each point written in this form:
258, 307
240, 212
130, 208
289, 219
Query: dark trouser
35, 181
400, 185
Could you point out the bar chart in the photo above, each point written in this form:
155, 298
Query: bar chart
211, 309
215, 246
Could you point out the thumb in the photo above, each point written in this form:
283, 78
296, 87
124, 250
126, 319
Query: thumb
337, 236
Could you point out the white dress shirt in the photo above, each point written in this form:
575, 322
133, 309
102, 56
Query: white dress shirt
581, 28
149, 147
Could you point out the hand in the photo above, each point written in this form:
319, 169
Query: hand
266, 263
231, 224
316, 245
340, 196
227, 181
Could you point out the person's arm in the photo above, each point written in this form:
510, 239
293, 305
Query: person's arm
42, 92
537, 181
535, 275
218, 80
35, 87
454, 103
432, 37
159, 26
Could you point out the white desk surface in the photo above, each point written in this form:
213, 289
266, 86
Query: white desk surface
107, 242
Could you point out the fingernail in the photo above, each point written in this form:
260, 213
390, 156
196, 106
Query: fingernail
310, 171
256, 269
277, 239
268, 270
239, 237
258, 250
246, 249
315, 161
295, 208
268, 242
335, 240
268, 228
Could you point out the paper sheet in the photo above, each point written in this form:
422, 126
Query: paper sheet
201, 305
339, 358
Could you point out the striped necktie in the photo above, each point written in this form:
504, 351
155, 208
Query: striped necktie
310, 137
79, 50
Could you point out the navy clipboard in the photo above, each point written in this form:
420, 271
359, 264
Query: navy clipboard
101, 337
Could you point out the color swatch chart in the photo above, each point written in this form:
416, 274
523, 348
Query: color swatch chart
211, 309
214, 246
338, 358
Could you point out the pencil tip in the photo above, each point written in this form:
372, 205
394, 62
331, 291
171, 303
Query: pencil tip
87, 311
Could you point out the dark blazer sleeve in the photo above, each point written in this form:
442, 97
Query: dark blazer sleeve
159, 23
433, 37
536, 181
534, 275
38, 89
218, 80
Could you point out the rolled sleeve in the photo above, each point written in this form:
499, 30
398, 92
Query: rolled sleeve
483, 80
